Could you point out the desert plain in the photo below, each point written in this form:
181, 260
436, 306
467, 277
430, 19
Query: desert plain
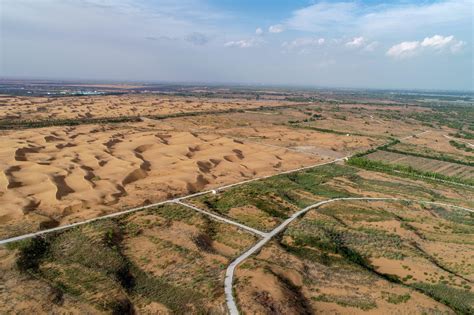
68, 159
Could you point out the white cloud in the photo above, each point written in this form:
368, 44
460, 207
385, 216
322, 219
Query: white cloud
457, 47
371, 47
343, 17
435, 43
243, 43
362, 43
258, 31
304, 45
108, 20
418, 17
276, 28
404, 49
356, 42
304, 42
321, 16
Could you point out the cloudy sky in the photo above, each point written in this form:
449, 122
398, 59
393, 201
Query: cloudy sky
364, 43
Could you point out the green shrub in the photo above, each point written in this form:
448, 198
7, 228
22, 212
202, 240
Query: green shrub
459, 300
461, 146
32, 251
396, 298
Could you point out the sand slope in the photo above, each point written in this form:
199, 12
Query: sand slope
57, 175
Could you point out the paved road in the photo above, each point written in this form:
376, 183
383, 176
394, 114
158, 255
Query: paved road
219, 218
68, 226
229, 276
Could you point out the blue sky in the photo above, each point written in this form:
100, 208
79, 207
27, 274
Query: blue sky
368, 44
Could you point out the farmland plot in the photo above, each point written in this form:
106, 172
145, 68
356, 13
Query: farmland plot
425, 164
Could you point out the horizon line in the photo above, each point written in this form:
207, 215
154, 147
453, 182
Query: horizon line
224, 84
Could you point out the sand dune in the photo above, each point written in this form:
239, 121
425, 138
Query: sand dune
40, 108
59, 175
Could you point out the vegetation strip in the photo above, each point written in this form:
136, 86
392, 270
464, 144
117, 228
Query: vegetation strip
368, 164
457, 139
462, 146
464, 134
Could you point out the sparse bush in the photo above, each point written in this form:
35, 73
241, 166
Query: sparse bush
396, 298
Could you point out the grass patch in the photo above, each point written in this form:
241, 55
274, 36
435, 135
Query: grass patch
329, 239
277, 195
396, 298
276, 198
461, 301
173, 212
87, 262
464, 134
364, 303
454, 215
179, 300
461, 146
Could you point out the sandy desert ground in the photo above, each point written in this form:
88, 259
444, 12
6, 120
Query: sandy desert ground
58, 175
35, 108
68, 174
